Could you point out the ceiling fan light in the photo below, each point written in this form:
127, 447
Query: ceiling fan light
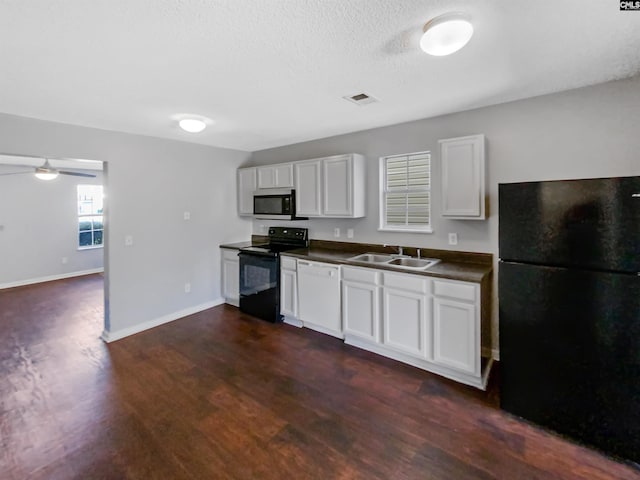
446, 34
46, 175
192, 125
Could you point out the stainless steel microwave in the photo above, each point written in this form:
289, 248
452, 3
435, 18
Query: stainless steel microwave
275, 204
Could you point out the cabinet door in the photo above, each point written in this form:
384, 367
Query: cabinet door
455, 335
308, 188
288, 293
360, 310
463, 179
284, 175
246, 186
230, 278
405, 322
267, 177
338, 187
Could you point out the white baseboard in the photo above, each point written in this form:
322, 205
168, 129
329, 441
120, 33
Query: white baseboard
293, 321
50, 278
125, 332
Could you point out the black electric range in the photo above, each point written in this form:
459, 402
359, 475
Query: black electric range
260, 272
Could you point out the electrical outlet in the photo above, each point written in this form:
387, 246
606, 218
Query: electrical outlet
349, 232
187, 215
187, 287
64, 260
336, 232
453, 239
263, 229
128, 240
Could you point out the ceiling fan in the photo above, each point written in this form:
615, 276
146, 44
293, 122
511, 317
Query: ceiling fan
47, 172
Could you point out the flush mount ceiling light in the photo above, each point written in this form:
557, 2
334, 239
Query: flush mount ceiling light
46, 175
192, 125
446, 34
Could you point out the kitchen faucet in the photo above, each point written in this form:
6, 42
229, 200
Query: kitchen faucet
400, 251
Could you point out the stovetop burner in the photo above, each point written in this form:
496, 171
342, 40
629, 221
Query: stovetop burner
281, 239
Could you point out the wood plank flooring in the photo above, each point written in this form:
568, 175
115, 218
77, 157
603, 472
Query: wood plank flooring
221, 395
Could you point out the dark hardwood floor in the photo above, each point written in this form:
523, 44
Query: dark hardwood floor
222, 395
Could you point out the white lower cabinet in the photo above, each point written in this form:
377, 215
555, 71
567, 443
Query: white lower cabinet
361, 305
428, 322
404, 320
319, 297
230, 276
456, 325
455, 335
288, 288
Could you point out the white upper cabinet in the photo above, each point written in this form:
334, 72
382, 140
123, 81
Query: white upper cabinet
463, 177
331, 187
275, 176
343, 187
325, 187
308, 185
246, 186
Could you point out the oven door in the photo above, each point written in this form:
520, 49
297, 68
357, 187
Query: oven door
259, 285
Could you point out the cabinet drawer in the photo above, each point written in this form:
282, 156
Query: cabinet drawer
414, 283
363, 275
229, 254
459, 290
287, 263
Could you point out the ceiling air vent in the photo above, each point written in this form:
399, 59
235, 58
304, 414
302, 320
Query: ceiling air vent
361, 99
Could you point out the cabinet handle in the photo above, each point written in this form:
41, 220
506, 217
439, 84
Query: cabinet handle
304, 263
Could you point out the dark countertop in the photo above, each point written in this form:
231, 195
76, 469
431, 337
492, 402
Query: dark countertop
239, 245
449, 267
255, 241
467, 272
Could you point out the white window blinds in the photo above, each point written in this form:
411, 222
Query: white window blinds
405, 192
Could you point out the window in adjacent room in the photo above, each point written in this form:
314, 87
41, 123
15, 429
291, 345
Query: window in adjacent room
405, 193
90, 226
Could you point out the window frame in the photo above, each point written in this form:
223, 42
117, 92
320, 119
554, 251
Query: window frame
382, 191
79, 216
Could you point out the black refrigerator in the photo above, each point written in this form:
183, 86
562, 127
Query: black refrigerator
569, 293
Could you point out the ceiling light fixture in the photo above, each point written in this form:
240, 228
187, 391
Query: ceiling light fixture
45, 172
192, 125
446, 34
46, 175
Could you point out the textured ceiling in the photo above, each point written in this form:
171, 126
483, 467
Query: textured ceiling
273, 72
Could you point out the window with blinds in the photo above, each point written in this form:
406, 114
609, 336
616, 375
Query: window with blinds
405, 192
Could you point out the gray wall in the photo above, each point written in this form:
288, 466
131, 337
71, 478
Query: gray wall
582, 133
150, 182
39, 226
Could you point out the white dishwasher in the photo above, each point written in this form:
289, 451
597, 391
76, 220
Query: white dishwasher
319, 297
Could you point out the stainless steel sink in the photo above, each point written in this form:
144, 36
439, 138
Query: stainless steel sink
371, 258
394, 261
413, 263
